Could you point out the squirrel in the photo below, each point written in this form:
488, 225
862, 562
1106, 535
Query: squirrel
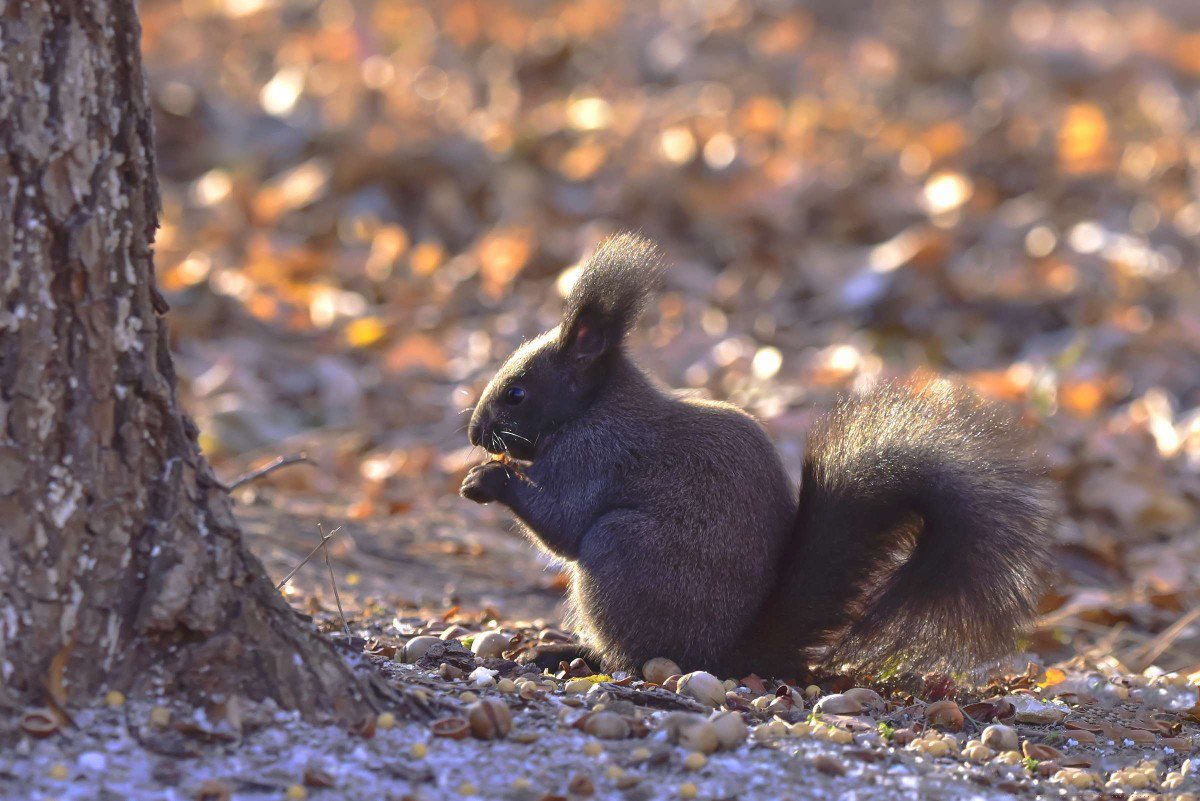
917, 537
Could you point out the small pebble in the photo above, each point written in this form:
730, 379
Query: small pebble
483, 677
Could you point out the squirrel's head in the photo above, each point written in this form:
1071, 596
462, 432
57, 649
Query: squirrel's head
553, 379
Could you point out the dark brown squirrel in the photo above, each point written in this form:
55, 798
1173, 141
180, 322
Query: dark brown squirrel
917, 538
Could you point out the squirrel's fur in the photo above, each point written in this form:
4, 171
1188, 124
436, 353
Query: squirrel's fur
917, 538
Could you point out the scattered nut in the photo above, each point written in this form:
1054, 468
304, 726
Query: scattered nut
659, 669
607, 726
506, 686
730, 729
695, 761
580, 785
490, 719
454, 632
160, 716
945, 715
385, 720
1039, 751
415, 648
869, 699
828, 765
490, 644
577, 686
39, 723
838, 704
704, 687
999, 737
593, 748
455, 728
691, 732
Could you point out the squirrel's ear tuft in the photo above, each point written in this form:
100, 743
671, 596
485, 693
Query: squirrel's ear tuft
609, 296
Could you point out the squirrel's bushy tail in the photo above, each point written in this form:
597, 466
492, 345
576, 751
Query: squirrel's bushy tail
922, 531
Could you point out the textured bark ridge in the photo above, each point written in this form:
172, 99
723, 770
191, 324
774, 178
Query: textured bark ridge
118, 549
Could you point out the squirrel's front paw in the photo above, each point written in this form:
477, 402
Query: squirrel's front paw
486, 482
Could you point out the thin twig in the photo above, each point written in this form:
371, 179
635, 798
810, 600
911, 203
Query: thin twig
267, 469
311, 554
1145, 656
333, 581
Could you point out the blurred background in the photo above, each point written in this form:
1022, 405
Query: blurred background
368, 204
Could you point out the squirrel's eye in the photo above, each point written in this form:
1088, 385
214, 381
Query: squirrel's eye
514, 395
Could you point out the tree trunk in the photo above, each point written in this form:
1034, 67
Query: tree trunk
118, 550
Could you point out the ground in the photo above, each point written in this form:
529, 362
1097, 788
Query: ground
458, 568
368, 204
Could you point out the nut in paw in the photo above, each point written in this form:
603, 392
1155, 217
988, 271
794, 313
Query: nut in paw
485, 482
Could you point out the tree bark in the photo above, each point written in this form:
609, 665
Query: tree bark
118, 550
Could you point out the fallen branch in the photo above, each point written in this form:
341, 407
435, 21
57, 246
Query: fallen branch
270, 467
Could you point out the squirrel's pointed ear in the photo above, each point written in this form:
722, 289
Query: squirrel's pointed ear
585, 340
611, 291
